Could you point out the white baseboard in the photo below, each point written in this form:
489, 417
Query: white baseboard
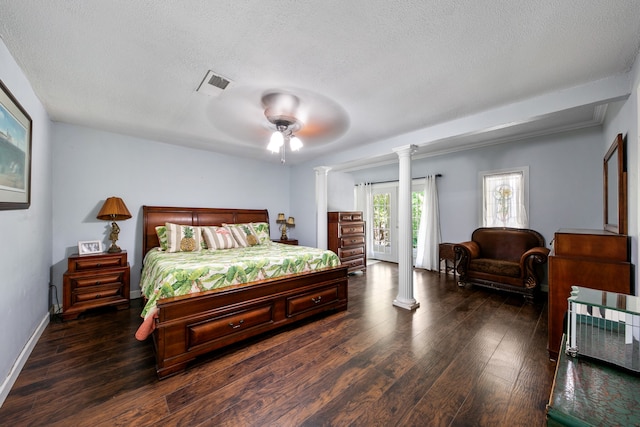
5, 388
135, 294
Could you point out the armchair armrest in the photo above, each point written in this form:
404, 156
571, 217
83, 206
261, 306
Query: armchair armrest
528, 261
466, 251
471, 248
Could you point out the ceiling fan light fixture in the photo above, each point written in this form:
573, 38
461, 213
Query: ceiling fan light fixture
295, 143
280, 110
276, 141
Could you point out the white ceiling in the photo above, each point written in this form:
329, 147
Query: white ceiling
367, 69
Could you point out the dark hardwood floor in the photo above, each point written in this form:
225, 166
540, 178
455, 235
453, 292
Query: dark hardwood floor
466, 357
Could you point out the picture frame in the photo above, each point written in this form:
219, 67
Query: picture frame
89, 247
15, 152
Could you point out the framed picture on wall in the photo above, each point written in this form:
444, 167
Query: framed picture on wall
15, 153
90, 247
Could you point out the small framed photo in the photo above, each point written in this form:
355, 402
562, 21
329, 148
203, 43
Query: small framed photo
90, 247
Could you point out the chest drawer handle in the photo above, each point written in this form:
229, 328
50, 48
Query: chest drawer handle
236, 326
98, 282
316, 300
98, 296
98, 265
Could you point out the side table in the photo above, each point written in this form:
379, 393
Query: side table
293, 242
446, 253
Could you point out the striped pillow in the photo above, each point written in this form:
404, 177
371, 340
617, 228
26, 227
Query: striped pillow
183, 238
243, 234
218, 238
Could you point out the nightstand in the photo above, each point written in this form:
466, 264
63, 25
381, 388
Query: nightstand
95, 280
293, 242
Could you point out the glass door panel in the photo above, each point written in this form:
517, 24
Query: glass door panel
384, 224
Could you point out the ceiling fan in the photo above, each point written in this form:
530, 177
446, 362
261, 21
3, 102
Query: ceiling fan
281, 110
275, 117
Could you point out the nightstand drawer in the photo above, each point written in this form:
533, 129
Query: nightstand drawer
97, 292
97, 279
93, 262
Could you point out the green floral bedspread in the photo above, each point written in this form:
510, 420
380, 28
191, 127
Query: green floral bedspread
180, 273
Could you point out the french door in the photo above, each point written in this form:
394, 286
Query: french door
385, 223
385, 220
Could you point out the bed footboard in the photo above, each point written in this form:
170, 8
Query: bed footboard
193, 326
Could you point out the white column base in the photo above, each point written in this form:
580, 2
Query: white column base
407, 305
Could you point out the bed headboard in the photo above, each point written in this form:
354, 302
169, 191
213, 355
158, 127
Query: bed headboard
152, 216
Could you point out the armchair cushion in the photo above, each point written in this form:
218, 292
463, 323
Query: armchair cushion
503, 258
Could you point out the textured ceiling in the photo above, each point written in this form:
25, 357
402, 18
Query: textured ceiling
370, 69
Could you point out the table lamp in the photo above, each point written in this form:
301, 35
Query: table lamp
284, 223
114, 210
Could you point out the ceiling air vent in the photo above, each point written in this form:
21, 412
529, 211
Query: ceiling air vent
213, 84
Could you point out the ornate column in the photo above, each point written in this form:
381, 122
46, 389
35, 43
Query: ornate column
405, 297
321, 206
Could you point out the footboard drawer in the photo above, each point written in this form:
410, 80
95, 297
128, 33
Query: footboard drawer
302, 303
209, 330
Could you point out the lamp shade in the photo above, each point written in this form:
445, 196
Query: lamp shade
114, 209
276, 141
281, 218
291, 221
295, 143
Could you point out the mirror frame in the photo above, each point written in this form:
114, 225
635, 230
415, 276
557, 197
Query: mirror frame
616, 153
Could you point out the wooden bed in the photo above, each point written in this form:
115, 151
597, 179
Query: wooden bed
196, 324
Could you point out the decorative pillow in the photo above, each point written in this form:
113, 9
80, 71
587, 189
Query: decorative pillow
218, 238
183, 238
161, 231
243, 234
261, 230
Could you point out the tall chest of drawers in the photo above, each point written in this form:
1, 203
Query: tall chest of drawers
93, 281
347, 238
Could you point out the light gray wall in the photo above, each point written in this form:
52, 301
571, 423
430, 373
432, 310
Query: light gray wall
337, 198
26, 235
565, 181
303, 203
90, 165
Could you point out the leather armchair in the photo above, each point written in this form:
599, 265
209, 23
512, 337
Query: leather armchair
509, 259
